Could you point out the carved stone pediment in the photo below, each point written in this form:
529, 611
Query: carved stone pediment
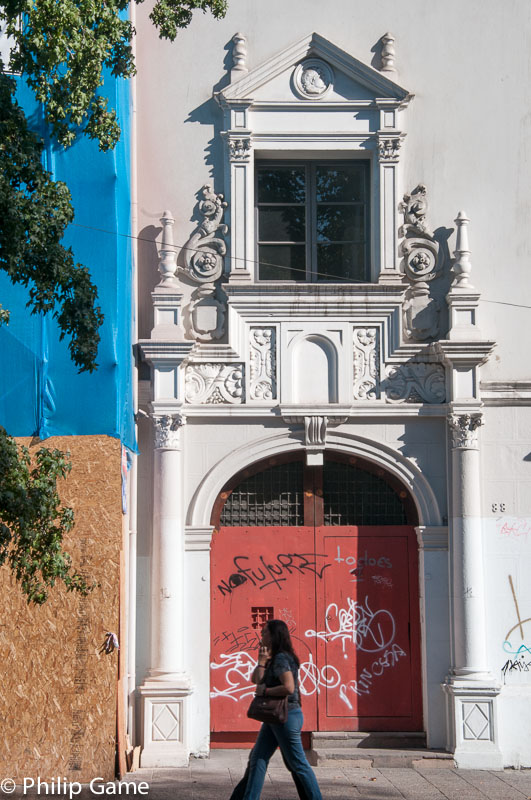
316, 70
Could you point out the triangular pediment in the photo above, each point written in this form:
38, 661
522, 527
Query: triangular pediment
352, 79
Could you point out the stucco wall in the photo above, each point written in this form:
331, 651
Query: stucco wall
468, 126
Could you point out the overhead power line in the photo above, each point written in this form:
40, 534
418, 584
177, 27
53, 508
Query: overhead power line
340, 278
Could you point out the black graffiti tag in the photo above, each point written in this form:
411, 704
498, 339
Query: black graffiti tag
265, 573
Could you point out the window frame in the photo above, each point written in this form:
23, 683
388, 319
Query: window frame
311, 274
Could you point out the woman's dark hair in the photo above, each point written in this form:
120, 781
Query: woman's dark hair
280, 639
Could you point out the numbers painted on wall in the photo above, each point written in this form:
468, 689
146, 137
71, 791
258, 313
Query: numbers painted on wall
498, 507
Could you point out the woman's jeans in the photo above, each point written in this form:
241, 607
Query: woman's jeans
288, 737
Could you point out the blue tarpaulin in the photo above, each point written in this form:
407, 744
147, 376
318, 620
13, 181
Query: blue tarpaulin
41, 392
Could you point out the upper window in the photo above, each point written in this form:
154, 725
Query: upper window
313, 221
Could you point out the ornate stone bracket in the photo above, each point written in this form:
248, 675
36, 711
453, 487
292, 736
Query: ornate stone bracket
214, 383
419, 252
415, 382
168, 430
464, 429
315, 430
203, 255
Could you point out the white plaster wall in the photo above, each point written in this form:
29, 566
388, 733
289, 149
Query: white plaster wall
468, 127
506, 452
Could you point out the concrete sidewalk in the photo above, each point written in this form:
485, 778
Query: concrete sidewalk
213, 779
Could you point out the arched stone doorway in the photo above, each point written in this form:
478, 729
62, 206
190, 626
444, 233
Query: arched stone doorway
333, 551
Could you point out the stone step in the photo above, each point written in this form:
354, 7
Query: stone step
386, 757
375, 740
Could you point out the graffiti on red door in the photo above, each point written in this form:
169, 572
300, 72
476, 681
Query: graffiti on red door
346, 600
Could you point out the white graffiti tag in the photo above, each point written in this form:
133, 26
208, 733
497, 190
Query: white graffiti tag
238, 670
363, 683
311, 678
370, 631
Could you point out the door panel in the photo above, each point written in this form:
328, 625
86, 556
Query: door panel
366, 615
350, 599
259, 574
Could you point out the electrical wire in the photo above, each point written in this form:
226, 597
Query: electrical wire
340, 278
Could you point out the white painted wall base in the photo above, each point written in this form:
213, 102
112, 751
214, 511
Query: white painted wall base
472, 725
165, 725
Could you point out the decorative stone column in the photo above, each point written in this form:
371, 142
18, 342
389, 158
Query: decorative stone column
167, 686
471, 689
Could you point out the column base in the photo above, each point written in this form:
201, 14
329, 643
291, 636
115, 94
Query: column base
472, 723
165, 722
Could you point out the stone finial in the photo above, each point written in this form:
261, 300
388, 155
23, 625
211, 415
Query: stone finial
168, 252
388, 53
239, 57
462, 266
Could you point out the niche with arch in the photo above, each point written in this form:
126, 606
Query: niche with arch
314, 370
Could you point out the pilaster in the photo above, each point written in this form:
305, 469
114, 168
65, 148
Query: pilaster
167, 686
470, 688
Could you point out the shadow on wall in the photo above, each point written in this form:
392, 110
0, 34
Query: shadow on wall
148, 277
209, 113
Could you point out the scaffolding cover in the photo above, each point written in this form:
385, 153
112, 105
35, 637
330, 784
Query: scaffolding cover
42, 392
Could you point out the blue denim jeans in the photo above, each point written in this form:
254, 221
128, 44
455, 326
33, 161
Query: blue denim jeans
288, 737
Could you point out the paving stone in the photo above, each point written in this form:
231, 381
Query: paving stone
215, 778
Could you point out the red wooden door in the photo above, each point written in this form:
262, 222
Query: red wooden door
258, 574
367, 629
349, 595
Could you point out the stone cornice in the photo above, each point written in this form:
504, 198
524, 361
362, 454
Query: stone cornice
469, 353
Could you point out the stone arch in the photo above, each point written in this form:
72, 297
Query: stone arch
401, 468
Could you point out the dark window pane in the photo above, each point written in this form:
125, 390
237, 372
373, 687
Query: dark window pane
342, 184
352, 496
277, 224
281, 185
340, 223
341, 262
282, 262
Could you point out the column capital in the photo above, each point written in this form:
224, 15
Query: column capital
464, 429
168, 430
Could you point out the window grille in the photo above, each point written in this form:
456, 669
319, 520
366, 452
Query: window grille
269, 498
354, 497
260, 615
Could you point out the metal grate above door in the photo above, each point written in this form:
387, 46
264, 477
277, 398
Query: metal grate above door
269, 498
352, 496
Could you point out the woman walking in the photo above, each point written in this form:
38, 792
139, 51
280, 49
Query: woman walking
276, 675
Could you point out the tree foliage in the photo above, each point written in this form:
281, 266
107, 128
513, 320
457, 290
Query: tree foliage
61, 50
33, 522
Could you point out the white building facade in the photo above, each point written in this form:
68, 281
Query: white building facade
335, 424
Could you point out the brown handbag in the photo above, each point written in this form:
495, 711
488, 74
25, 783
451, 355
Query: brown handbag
273, 710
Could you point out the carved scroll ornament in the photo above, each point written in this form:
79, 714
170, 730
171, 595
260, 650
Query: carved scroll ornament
366, 363
204, 251
416, 382
262, 364
214, 383
420, 252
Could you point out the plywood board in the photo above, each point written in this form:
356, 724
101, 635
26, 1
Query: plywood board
58, 693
